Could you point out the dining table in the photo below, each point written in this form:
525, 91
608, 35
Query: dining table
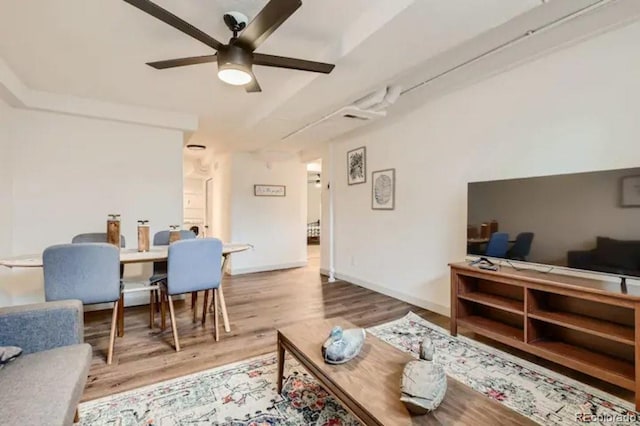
128, 256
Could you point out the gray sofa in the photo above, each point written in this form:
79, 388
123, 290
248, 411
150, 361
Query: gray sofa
43, 385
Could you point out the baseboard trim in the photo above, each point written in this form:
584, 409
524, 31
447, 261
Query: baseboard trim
423, 303
266, 268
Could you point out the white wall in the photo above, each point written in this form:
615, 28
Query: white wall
6, 192
6, 195
276, 226
314, 201
69, 172
221, 220
565, 212
574, 110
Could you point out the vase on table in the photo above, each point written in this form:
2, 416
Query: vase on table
113, 230
143, 235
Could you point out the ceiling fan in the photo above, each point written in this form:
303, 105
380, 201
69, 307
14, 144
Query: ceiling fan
236, 58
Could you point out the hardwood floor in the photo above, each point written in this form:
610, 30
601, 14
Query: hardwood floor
257, 304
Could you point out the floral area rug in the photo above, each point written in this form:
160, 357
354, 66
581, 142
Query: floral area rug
244, 393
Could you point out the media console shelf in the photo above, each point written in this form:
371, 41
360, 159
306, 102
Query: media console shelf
588, 325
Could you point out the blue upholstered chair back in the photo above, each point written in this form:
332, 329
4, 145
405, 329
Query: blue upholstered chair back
194, 265
498, 245
162, 238
522, 247
86, 271
95, 237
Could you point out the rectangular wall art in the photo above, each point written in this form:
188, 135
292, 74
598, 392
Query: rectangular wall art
383, 189
269, 190
357, 166
630, 191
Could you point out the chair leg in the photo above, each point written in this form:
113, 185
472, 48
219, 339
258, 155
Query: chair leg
121, 316
163, 311
112, 335
152, 309
174, 327
194, 305
204, 306
215, 313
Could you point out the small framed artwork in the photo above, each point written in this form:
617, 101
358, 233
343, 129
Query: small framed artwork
630, 191
383, 189
357, 166
269, 190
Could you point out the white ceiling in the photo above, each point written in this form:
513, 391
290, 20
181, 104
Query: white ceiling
98, 49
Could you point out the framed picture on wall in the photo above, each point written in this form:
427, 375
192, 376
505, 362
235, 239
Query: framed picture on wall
630, 191
383, 189
269, 190
357, 166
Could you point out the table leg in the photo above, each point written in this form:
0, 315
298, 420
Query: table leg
223, 305
121, 316
280, 364
152, 308
223, 308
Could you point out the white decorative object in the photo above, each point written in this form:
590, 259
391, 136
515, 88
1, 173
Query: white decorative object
343, 345
424, 383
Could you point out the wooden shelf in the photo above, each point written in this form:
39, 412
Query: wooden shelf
605, 367
491, 328
597, 327
586, 325
494, 301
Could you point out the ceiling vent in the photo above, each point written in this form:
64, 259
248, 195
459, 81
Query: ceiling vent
369, 108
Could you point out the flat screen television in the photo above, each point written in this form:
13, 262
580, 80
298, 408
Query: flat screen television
587, 221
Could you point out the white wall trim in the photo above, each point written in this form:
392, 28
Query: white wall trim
418, 301
266, 268
18, 95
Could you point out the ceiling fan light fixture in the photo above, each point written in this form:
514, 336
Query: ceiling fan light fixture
234, 66
196, 147
234, 76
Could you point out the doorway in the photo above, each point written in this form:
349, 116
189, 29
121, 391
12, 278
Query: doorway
208, 208
314, 211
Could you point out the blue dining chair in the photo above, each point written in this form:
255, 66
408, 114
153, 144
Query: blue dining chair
162, 239
95, 237
498, 245
98, 237
522, 247
160, 268
193, 265
85, 271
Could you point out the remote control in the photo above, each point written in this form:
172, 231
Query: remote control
489, 267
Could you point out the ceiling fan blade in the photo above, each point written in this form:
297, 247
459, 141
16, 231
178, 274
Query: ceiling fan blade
177, 23
267, 21
254, 86
181, 62
291, 63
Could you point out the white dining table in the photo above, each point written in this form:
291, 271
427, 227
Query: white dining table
155, 254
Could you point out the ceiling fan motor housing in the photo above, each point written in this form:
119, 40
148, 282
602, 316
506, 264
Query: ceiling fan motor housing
232, 56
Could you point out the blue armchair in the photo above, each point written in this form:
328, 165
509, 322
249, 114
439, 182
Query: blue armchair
43, 385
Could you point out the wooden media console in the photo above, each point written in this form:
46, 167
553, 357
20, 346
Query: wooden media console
588, 325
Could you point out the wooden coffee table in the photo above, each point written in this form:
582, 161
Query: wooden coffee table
369, 385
